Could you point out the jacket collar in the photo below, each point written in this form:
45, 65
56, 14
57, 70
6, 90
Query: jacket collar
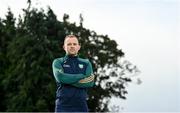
66, 57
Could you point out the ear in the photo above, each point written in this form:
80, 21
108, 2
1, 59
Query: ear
79, 47
64, 48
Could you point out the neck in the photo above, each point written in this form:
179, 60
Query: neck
71, 55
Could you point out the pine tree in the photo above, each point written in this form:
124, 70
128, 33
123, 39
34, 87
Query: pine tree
7, 33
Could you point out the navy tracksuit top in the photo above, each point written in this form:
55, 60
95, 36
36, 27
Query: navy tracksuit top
68, 97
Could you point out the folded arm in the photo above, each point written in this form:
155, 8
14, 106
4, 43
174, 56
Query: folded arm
88, 81
62, 77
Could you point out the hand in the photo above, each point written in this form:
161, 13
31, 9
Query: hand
87, 79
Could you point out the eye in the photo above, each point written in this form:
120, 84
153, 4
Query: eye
74, 44
69, 44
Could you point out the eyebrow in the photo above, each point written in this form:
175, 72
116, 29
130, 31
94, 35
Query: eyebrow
72, 43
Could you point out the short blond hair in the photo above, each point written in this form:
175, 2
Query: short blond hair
70, 36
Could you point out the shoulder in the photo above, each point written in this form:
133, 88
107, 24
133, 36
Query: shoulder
58, 60
86, 61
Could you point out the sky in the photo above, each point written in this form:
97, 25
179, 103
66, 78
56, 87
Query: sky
148, 31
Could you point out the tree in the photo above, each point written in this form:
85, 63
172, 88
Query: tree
7, 32
28, 80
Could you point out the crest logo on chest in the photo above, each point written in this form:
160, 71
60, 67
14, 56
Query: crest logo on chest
81, 66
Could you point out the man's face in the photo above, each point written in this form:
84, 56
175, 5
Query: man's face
71, 46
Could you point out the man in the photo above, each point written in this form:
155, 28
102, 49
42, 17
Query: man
73, 76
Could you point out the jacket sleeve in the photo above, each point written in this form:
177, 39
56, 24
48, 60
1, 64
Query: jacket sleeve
62, 77
88, 81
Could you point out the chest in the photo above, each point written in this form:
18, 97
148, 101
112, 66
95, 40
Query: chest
74, 67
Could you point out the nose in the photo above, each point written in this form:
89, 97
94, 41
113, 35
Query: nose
72, 46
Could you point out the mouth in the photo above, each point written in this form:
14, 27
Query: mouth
72, 50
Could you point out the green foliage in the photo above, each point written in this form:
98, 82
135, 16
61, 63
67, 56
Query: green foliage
28, 48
